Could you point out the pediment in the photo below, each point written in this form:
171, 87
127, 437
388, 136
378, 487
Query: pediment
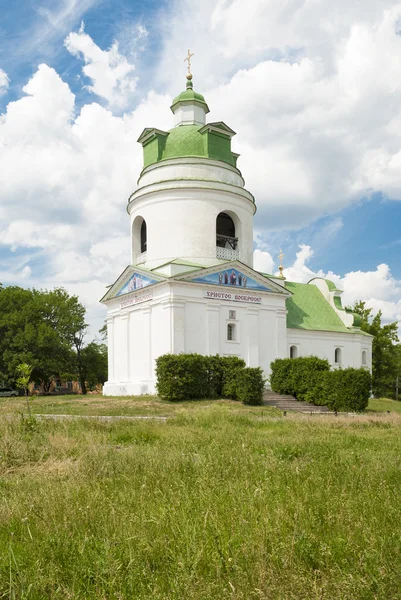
149, 133
218, 127
234, 275
132, 279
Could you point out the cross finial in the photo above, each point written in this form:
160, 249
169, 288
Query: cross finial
281, 268
188, 60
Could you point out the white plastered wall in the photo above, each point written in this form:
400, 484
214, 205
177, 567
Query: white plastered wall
180, 203
324, 344
180, 319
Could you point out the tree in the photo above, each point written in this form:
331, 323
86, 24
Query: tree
386, 354
103, 332
94, 364
24, 376
41, 328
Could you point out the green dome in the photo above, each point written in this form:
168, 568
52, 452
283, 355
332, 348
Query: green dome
189, 95
184, 141
188, 141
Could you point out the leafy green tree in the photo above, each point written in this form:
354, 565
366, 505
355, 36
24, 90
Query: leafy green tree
94, 364
23, 378
386, 355
41, 328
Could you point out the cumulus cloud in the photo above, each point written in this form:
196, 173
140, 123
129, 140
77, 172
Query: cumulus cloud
378, 288
313, 94
263, 261
66, 178
312, 90
112, 75
4, 82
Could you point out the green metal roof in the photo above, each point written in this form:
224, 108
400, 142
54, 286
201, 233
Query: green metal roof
187, 141
184, 140
308, 309
189, 95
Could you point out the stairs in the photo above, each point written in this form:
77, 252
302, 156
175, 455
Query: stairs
288, 403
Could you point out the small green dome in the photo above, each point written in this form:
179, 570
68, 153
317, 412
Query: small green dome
189, 95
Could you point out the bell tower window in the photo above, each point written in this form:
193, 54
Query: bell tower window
225, 232
143, 237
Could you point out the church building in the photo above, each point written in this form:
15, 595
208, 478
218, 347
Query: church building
190, 285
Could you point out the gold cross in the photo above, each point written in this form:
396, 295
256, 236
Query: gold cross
188, 60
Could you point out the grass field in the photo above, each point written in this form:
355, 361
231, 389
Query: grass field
219, 501
141, 405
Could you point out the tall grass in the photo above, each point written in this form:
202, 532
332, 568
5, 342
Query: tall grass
207, 505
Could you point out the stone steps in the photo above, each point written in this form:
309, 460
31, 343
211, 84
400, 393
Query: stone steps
288, 403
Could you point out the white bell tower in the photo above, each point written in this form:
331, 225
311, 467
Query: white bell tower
191, 203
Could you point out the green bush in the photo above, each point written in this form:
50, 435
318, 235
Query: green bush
297, 376
182, 377
345, 390
231, 367
193, 376
250, 385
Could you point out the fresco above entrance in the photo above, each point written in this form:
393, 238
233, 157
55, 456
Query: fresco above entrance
233, 279
137, 281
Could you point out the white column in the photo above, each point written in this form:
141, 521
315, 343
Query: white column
213, 329
178, 329
146, 343
110, 348
281, 320
124, 340
252, 315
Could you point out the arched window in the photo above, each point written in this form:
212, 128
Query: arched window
139, 240
231, 332
293, 352
225, 232
364, 358
143, 237
337, 356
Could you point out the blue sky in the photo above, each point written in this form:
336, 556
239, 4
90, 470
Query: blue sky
312, 92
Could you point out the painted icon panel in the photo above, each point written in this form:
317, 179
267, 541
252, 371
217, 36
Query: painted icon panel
137, 281
232, 278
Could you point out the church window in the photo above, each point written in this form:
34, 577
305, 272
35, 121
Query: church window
293, 352
337, 356
143, 237
231, 332
364, 358
225, 232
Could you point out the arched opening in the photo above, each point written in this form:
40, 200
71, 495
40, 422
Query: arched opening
225, 232
231, 332
337, 356
364, 358
139, 240
143, 237
293, 352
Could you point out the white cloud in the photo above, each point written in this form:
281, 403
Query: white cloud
4, 82
26, 272
112, 75
66, 179
263, 261
378, 288
312, 89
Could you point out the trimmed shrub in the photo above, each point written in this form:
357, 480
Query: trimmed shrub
297, 376
182, 377
193, 376
250, 385
345, 390
231, 367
